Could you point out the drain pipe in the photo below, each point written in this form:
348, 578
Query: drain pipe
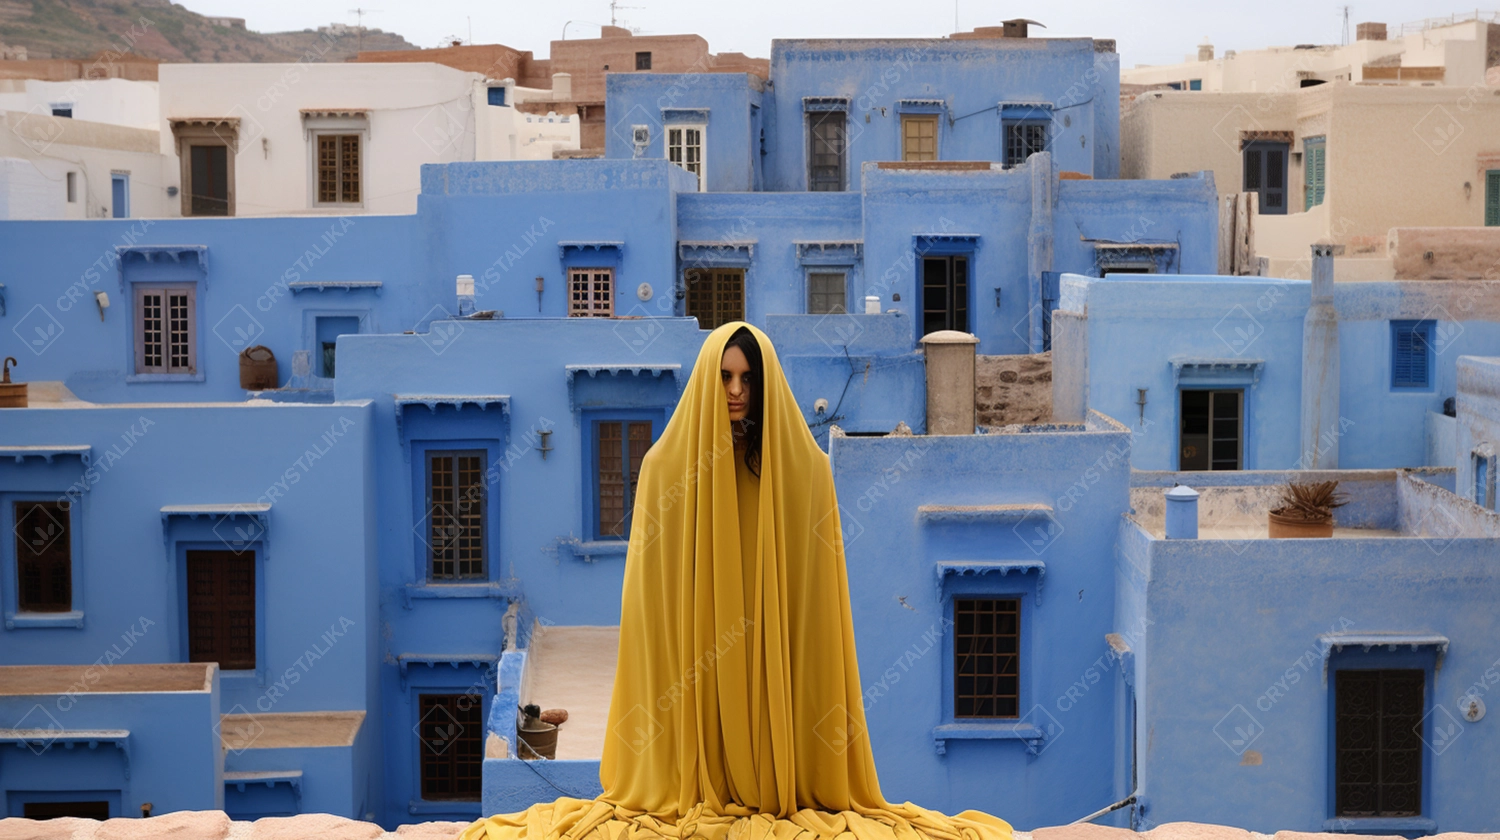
1123, 803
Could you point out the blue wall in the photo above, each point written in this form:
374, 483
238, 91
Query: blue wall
727, 104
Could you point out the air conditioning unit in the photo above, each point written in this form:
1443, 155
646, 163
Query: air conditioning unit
640, 135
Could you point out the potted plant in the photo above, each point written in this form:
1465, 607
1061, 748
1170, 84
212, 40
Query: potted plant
537, 735
1305, 510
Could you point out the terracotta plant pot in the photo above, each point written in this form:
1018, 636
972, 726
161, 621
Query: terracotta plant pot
1287, 527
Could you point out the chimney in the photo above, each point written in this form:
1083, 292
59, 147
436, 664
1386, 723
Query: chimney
1320, 369
1369, 32
950, 382
1182, 513
562, 86
1205, 52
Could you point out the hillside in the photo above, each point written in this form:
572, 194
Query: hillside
164, 31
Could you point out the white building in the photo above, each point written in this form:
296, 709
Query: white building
256, 139
1443, 51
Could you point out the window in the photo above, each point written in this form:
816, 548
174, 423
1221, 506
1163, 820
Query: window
72, 181
456, 504
643, 61
1195, 84
221, 608
919, 138
65, 111
119, 194
1265, 174
497, 95
715, 296
208, 184
328, 331
166, 329
1024, 138
685, 148
44, 556
827, 145
825, 292
1314, 178
1484, 491
619, 448
591, 292
89, 810
945, 294
1492, 197
987, 658
1411, 354
452, 750
338, 169
1211, 430
1378, 758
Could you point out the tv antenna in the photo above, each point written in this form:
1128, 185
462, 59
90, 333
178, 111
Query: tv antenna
360, 26
1345, 11
614, 7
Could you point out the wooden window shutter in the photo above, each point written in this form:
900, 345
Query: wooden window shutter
44, 557
221, 608
609, 463
1492, 198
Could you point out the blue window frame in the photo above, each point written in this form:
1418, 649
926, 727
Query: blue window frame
119, 191
1411, 354
497, 95
616, 444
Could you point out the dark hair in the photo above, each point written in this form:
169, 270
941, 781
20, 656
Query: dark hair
745, 340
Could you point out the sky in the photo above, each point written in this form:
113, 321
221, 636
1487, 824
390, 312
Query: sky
1146, 31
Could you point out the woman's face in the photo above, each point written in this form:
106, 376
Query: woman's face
735, 369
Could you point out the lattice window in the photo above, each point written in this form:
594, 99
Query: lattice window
1024, 139
987, 658
44, 556
1411, 357
1378, 761
456, 503
619, 449
825, 292
715, 296
166, 329
827, 145
338, 169
451, 731
919, 138
591, 293
221, 608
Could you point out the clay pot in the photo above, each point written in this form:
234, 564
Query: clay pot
1287, 527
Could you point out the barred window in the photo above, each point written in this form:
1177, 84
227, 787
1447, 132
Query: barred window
825, 292
987, 658
451, 732
591, 293
455, 527
619, 449
1022, 140
715, 296
338, 169
44, 556
1378, 751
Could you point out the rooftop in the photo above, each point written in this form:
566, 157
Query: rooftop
21, 680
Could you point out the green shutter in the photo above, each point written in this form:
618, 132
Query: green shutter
1314, 175
1492, 197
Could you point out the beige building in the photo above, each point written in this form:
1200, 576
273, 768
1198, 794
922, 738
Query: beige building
1455, 51
1340, 162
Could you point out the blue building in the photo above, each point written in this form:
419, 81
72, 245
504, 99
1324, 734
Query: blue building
329, 591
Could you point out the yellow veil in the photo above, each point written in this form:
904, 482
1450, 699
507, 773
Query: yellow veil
737, 704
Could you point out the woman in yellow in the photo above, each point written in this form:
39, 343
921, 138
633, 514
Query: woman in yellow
736, 709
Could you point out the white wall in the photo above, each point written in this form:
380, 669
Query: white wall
418, 113
111, 101
40, 151
508, 134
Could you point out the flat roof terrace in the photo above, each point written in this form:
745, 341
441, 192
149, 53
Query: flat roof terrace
25, 680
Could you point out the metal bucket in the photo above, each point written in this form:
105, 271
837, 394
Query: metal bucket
537, 743
258, 368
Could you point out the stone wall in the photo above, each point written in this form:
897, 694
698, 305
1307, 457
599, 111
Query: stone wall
1013, 389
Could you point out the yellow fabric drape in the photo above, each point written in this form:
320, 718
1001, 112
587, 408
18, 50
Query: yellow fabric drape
736, 712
